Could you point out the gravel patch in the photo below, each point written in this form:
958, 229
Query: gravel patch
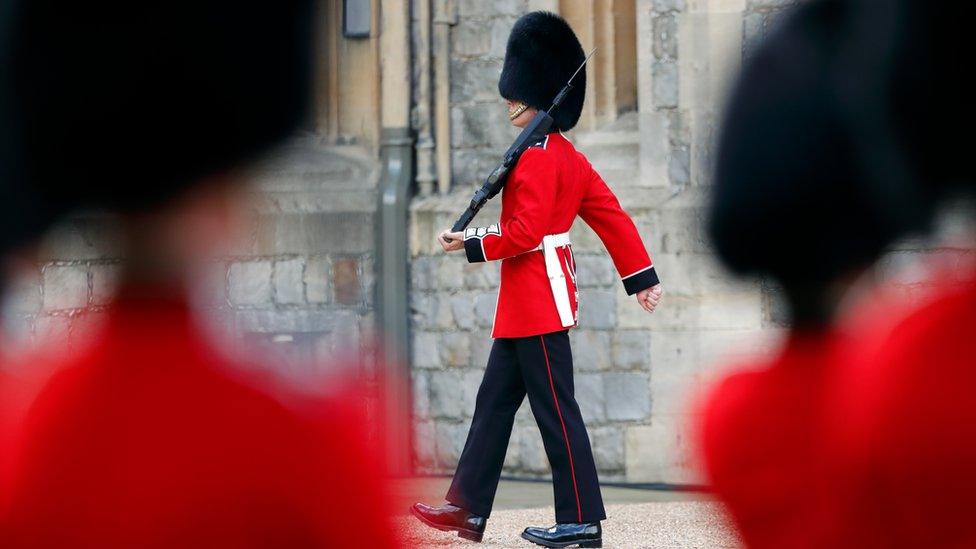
629, 526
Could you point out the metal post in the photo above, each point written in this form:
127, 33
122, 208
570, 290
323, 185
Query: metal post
392, 291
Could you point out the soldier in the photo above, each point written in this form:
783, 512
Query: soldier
148, 435
858, 433
549, 187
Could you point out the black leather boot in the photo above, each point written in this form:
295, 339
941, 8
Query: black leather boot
586, 534
452, 519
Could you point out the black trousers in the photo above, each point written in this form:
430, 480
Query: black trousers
542, 367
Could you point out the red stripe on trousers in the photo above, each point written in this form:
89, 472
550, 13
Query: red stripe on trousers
572, 466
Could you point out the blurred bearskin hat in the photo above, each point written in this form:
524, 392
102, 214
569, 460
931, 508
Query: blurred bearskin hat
123, 105
542, 54
845, 130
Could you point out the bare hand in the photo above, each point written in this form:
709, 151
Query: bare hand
650, 297
451, 242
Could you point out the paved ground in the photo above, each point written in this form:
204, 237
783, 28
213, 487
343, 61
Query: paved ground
635, 518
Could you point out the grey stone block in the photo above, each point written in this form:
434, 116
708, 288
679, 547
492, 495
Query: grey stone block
664, 89
468, 390
665, 45
679, 167
450, 442
481, 275
289, 285
628, 396
249, 283
315, 233
484, 308
462, 307
432, 311
421, 273
669, 5
479, 9
449, 272
318, 280
598, 309
513, 457
424, 444
590, 396
632, 349
446, 399
368, 279
472, 166
425, 350
608, 448
531, 450
475, 79
455, 349
481, 343
420, 394
65, 287
24, 294
481, 125
590, 349
104, 279
470, 38
213, 285
679, 230
595, 270
524, 414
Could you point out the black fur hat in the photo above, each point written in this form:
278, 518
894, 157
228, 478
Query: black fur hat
843, 133
542, 54
121, 105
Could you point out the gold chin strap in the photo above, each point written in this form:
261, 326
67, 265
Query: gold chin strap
517, 111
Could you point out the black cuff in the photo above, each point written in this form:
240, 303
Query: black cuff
474, 251
641, 281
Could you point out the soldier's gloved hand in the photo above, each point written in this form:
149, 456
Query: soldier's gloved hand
451, 242
650, 297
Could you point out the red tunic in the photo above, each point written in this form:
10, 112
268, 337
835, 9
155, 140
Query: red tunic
904, 443
550, 186
17, 391
150, 439
760, 440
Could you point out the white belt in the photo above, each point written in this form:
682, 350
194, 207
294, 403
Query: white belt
558, 241
557, 279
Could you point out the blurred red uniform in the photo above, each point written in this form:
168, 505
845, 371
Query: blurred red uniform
860, 440
18, 387
149, 439
759, 441
903, 444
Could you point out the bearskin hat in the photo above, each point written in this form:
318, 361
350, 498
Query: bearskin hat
542, 54
109, 105
830, 149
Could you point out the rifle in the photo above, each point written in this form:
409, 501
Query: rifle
534, 132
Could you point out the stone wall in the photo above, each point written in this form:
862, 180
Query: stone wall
301, 286
479, 128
